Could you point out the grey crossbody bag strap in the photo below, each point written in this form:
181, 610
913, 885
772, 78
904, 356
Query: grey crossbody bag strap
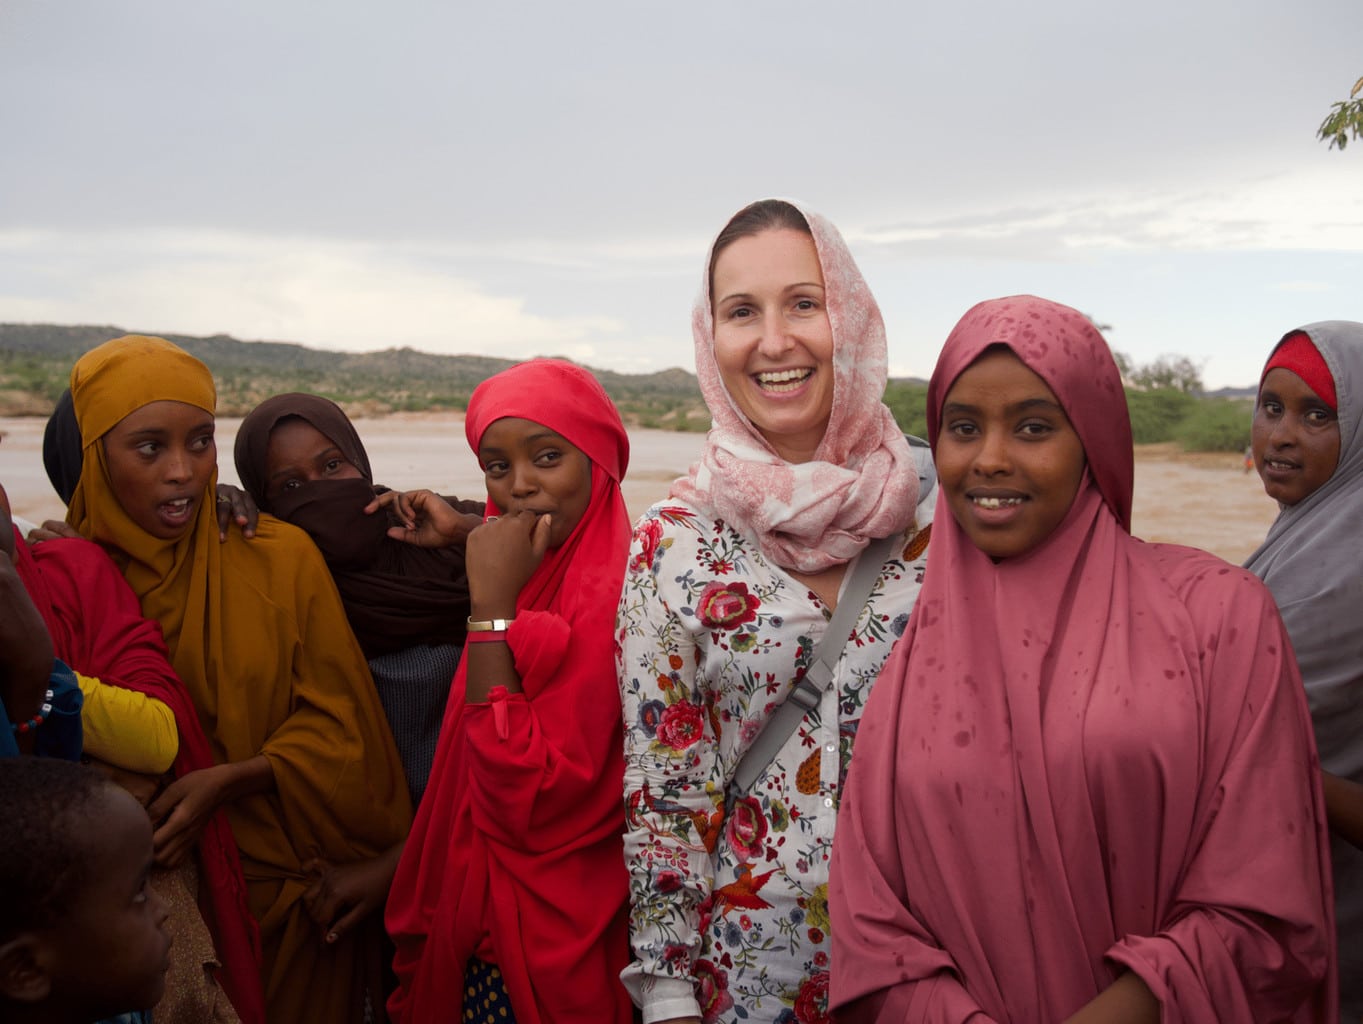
804, 695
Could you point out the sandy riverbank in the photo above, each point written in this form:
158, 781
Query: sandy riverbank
1200, 499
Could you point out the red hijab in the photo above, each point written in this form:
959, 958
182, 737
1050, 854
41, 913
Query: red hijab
516, 854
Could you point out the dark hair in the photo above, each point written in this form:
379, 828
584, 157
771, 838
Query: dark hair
753, 219
62, 453
48, 807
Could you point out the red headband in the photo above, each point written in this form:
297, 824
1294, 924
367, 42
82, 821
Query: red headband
1299, 354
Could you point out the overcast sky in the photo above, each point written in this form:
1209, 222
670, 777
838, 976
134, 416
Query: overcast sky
539, 178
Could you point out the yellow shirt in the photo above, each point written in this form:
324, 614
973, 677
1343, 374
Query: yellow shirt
127, 729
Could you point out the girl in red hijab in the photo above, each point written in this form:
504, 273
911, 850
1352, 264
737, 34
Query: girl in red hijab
1085, 787
510, 899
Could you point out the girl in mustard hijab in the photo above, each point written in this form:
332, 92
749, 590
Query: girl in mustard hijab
304, 766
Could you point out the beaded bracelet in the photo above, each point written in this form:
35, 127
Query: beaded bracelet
19, 728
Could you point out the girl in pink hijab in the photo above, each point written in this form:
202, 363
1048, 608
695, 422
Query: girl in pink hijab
1086, 787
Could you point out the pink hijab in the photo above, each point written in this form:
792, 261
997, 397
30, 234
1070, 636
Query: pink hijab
1089, 758
861, 484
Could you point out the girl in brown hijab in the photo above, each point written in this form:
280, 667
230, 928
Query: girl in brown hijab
301, 459
303, 763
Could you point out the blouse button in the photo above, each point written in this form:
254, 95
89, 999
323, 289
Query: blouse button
828, 801
831, 747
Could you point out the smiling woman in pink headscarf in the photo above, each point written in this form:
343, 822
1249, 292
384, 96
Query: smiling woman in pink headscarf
730, 585
1086, 788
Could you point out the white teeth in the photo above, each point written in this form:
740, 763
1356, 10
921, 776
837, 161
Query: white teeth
996, 502
783, 380
179, 503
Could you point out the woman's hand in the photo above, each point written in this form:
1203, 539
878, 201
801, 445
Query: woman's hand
428, 520
1344, 807
398, 505
340, 897
180, 814
236, 506
52, 529
1128, 1000
500, 557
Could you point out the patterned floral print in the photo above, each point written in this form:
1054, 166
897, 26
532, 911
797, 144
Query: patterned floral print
731, 913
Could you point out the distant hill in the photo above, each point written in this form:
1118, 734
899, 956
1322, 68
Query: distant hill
36, 360
1251, 391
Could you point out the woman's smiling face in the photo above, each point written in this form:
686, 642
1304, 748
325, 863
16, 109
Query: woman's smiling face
1009, 461
1295, 437
773, 340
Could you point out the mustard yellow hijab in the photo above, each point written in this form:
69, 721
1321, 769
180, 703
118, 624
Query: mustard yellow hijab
107, 384
258, 634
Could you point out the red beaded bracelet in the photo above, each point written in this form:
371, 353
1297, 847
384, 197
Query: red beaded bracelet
19, 728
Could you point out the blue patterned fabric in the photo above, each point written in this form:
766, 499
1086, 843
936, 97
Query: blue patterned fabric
485, 998
413, 686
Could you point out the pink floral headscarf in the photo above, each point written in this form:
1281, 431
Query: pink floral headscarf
861, 484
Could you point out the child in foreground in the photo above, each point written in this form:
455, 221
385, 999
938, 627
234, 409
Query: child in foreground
82, 935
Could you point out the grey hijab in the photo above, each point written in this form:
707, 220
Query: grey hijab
1312, 561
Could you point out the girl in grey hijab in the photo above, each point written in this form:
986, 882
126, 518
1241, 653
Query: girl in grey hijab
1310, 408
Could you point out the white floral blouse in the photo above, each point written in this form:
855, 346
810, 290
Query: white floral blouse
729, 917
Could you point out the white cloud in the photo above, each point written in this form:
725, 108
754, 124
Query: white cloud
397, 176
354, 297
1314, 208
1304, 286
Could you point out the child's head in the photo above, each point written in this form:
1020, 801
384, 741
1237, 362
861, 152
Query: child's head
82, 936
538, 430
1295, 436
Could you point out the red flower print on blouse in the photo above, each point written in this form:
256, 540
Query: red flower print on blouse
667, 880
726, 605
680, 725
746, 828
648, 535
811, 1004
712, 990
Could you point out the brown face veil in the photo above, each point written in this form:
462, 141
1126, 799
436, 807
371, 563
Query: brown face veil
396, 595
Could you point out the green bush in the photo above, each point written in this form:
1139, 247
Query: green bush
1157, 415
1217, 425
909, 404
